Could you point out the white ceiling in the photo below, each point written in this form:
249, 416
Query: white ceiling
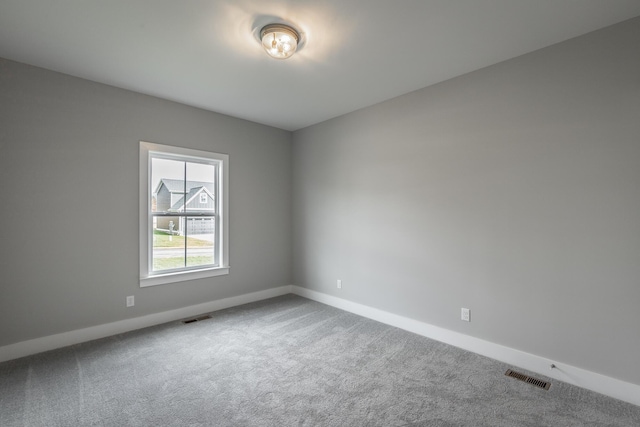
356, 52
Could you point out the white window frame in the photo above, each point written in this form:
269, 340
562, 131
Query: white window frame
203, 198
147, 276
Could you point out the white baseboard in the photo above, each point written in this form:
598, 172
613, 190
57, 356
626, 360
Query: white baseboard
38, 345
599, 383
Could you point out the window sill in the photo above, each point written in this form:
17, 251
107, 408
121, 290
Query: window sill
162, 279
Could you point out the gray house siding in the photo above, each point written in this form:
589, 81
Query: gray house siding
170, 196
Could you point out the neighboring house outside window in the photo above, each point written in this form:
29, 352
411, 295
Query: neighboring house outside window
170, 196
183, 214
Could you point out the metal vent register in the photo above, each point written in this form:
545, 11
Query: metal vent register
196, 319
527, 379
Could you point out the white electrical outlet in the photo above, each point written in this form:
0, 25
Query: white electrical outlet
465, 315
339, 284
131, 301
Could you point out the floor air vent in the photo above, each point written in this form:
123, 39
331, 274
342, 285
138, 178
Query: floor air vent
196, 319
527, 379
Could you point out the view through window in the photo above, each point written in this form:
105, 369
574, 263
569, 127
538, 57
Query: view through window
184, 213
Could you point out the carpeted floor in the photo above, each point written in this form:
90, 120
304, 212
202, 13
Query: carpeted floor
287, 361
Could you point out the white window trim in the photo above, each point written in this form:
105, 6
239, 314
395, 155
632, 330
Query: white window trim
147, 277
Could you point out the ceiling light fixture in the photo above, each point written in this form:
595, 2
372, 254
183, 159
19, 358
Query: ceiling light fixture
280, 41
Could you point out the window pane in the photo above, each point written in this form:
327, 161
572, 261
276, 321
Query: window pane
168, 249
200, 187
200, 241
167, 185
200, 231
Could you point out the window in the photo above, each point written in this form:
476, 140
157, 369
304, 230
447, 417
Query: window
183, 214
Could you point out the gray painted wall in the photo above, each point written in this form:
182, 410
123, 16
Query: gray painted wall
69, 192
513, 191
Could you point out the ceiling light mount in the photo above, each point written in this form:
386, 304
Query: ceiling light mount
280, 41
